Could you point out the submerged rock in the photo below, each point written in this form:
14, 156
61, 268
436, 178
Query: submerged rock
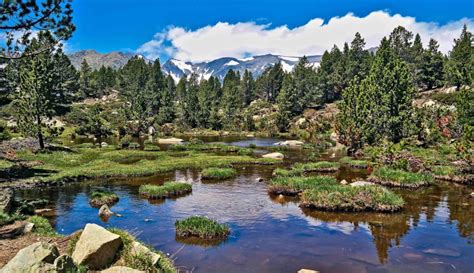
37, 257
361, 184
290, 143
274, 155
171, 140
97, 247
259, 179
105, 212
121, 269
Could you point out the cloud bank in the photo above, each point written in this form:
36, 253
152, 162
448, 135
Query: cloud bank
250, 38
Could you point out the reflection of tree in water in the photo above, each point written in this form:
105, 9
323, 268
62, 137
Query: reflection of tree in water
461, 208
388, 229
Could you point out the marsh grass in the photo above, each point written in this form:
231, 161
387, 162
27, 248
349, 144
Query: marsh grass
211, 148
218, 173
444, 170
354, 199
5, 164
354, 163
99, 197
300, 169
452, 174
295, 185
168, 189
201, 227
127, 257
399, 178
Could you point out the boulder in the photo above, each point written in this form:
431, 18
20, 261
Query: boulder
140, 249
121, 269
105, 212
259, 179
274, 155
307, 271
97, 247
33, 258
6, 200
361, 184
64, 264
343, 182
171, 140
290, 143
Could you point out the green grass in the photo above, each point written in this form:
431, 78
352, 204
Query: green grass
398, 178
42, 226
347, 198
139, 261
201, 227
5, 164
354, 163
99, 197
444, 170
168, 189
107, 162
218, 173
295, 185
299, 169
6, 219
211, 148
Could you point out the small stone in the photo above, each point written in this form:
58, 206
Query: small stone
64, 264
105, 212
28, 227
343, 182
104, 144
274, 155
472, 194
307, 271
361, 184
259, 179
147, 220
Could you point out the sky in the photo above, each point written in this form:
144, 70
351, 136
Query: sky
203, 30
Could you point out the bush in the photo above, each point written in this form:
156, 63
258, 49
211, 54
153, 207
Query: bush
218, 173
201, 227
99, 197
4, 132
42, 226
168, 189
398, 178
347, 198
295, 185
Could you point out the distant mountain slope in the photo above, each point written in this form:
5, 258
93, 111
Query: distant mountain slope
219, 67
95, 59
177, 68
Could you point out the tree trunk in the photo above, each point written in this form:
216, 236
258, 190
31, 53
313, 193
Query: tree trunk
40, 134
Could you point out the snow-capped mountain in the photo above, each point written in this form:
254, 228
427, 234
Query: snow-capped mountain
219, 67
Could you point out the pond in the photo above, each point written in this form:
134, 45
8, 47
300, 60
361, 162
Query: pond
434, 233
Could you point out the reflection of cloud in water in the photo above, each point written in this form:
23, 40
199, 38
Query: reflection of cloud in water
344, 227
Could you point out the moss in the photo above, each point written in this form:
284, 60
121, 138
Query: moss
218, 173
140, 261
398, 178
347, 198
99, 197
168, 189
354, 163
295, 185
42, 226
201, 227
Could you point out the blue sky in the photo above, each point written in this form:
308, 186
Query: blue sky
110, 25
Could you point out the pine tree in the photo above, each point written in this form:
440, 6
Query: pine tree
65, 77
417, 53
270, 82
166, 112
401, 43
359, 58
460, 65
331, 74
85, 80
190, 103
248, 87
205, 101
287, 101
431, 72
232, 101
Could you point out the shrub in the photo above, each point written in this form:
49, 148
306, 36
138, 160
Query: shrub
218, 173
347, 198
4, 132
295, 185
99, 197
398, 178
168, 189
201, 227
42, 226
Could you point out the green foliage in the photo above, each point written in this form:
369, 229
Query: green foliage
399, 178
91, 120
42, 226
232, 102
201, 227
354, 162
465, 107
4, 131
348, 198
460, 64
6, 219
168, 189
270, 82
297, 184
218, 173
99, 197
444, 170
432, 67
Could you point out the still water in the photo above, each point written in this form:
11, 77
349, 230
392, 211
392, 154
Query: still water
434, 232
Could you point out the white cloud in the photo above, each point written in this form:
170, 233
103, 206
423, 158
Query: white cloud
249, 38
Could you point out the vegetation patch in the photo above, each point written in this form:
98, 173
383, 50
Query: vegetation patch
127, 257
42, 226
399, 178
218, 173
201, 227
452, 174
211, 148
347, 198
166, 190
99, 197
296, 185
301, 168
6, 219
354, 163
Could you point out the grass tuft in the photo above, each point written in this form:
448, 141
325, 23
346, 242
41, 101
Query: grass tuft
299, 169
354, 163
398, 178
166, 190
99, 197
218, 173
42, 226
296, 185
347, 198
201, 227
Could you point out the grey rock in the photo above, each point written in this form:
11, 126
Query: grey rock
64, 264
6, 200
34, 258
140, 249
274, 155
361, 184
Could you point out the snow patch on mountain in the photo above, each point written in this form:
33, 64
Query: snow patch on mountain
232, 63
